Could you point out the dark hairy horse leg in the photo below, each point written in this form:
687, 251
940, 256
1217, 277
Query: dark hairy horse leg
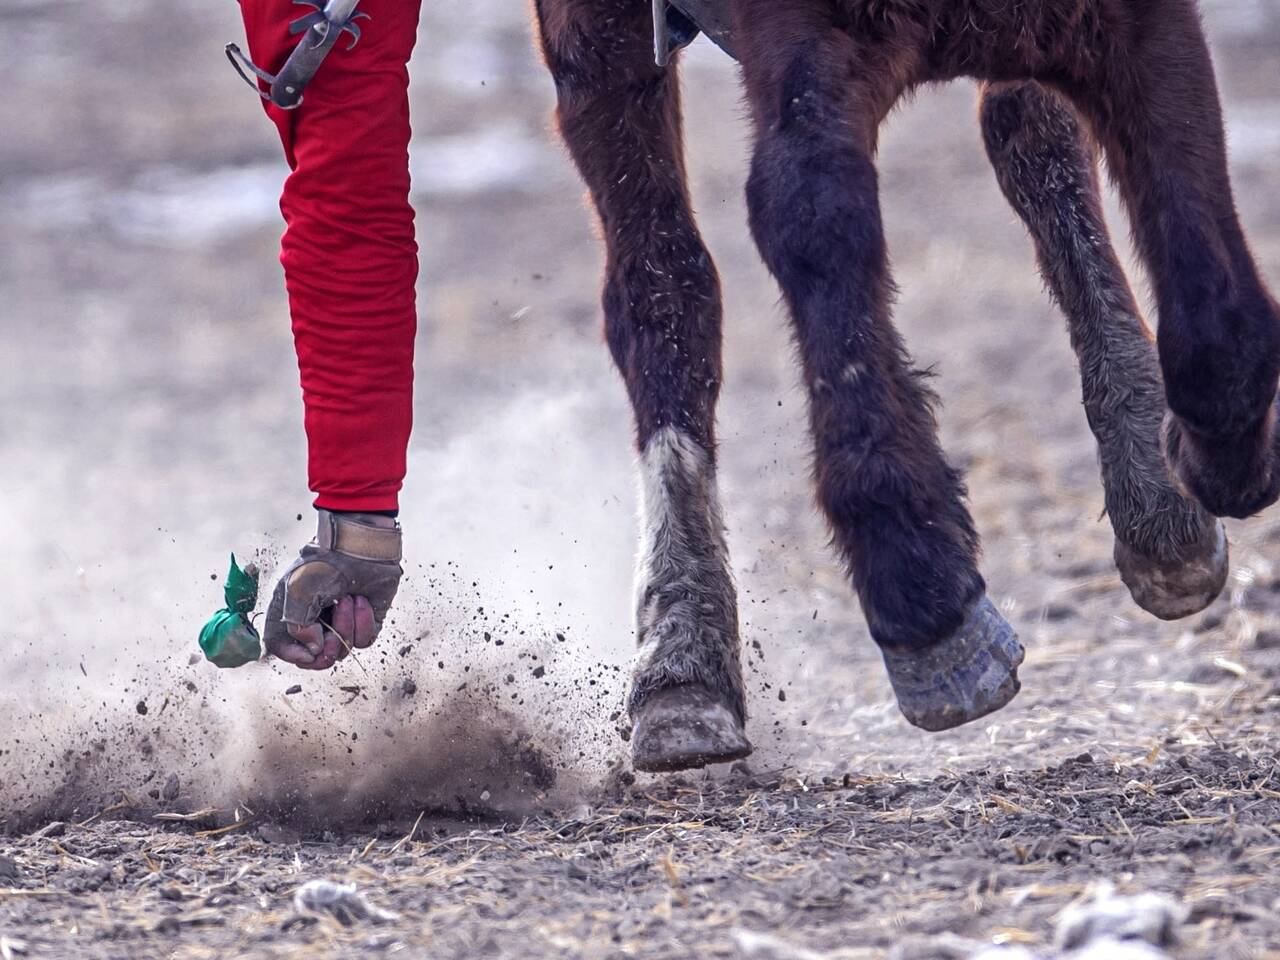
895, 506
619, 114
1155, 108
1171, 554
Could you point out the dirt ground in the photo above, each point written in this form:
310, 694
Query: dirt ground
467, 776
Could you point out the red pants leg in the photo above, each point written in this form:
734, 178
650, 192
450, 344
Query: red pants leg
349, 254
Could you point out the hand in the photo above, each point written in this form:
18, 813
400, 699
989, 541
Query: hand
334, 597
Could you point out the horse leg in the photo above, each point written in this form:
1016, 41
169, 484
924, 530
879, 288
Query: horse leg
619, 114
1154, 105
1171, 554
895, 505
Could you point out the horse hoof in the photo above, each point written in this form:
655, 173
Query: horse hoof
681, 728
1177, 589
967, 676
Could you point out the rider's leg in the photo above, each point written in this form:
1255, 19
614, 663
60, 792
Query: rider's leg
349, 253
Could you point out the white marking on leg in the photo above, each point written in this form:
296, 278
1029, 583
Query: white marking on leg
680, 518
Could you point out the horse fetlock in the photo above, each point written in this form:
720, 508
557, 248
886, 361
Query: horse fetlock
1218, 416
966, 676
1171, 553
1226, 338
1230, 476
688, 702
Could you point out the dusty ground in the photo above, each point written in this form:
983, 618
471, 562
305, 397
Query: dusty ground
153, 425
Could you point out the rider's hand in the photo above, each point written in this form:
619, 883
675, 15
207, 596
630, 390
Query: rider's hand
335, 595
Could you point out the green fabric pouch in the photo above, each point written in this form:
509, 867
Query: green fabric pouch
230, 639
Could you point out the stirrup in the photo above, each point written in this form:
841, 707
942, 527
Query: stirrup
320, 31
672, 31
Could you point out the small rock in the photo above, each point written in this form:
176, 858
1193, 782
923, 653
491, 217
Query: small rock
296, 688
9, 869
170, 789
409, 688
340, 901
141, 708
539, 672
1150, 917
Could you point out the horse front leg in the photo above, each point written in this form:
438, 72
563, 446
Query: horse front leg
1154, 104
619, 113
1171, 554
895, 505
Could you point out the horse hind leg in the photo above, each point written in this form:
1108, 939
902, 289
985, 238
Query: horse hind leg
619, 114
1171, 554
1154, 106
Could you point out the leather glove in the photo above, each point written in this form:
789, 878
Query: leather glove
335, 596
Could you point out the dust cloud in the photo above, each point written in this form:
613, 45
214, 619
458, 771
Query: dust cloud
148, 354
499, 677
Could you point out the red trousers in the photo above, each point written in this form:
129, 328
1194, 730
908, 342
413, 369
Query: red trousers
349, 254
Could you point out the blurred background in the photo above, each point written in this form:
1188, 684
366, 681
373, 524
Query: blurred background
152, 418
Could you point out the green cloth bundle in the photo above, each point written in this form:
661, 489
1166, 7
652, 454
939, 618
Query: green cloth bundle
230, 639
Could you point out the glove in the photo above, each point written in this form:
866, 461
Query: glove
335, 596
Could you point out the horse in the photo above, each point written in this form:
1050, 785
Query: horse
1184, 422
